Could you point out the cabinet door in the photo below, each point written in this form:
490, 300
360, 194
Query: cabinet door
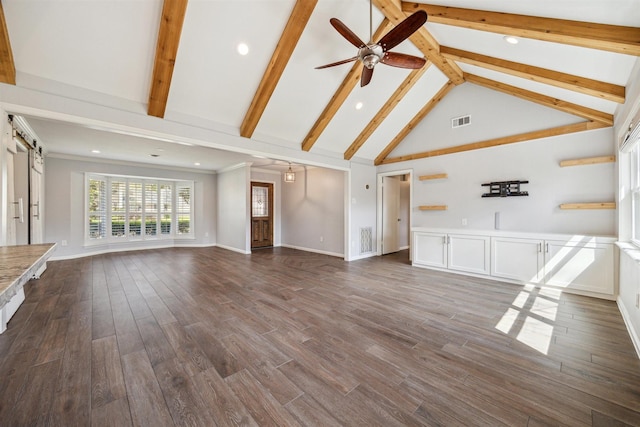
517, 259
469, 253
580, 264
430, 249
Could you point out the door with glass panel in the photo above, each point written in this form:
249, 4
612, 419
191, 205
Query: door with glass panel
261, 215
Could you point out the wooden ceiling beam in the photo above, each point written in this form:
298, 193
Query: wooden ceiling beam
414, 122
422, 39
7, 66
613, 38
298, 19
386, 109
350, 81
596, 88
547, 101
173, 12
528, 136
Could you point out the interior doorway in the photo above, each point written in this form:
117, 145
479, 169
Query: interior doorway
261, 215
394, 212
390, 214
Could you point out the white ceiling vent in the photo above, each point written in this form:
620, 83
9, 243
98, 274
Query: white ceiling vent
460, 121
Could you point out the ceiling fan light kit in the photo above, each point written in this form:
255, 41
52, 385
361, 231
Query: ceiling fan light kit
370, 54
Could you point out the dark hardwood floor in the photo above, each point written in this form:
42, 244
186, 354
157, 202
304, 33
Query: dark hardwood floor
283, 337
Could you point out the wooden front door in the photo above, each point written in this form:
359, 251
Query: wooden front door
261, 215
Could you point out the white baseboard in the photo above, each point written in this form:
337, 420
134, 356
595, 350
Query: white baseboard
231, 248
108, 250
635, 338
317, 251
357, 257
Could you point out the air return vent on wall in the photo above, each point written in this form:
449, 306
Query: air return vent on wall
460, 121
366, 240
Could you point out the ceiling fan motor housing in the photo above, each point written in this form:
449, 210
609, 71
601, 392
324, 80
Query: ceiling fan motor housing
370, 55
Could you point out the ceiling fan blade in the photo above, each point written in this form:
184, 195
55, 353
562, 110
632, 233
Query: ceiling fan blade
347, 33
333, 64
402, 60
403, 30
366, 76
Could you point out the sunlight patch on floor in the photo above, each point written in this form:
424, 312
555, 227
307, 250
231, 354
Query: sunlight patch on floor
536, 334
508, 319
531, 317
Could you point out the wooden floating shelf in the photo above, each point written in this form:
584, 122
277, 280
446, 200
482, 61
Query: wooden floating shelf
433, 208
434, 176
588, 161
600, 205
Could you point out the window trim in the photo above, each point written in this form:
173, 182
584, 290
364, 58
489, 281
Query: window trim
633, 149
127, 238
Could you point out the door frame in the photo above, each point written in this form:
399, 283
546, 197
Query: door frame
409, 173
390, 232
276, 212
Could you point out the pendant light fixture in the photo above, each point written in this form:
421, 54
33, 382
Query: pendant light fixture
289, 175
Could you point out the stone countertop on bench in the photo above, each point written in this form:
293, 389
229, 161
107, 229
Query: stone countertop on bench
18, 264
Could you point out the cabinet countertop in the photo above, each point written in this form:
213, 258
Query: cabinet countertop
515, 234
18, 264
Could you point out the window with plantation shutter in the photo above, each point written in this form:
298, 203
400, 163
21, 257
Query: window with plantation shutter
97, 208
128, 208
151, 209
166, 208
184, 207
635, 194
118, 208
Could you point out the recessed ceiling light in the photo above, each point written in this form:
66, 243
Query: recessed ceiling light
359, 105
511, 39
95, 151
197, 163
243, 49
154, 155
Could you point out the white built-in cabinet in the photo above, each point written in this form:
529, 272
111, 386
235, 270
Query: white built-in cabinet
459, 252
580, 264
583, 264
429, 249
516, 259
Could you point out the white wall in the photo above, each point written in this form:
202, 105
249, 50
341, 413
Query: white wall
5, 130
629, 290
629, 284
493, 114
275, 178
549, 186
233, 215
361, 199
313, 211
65, 199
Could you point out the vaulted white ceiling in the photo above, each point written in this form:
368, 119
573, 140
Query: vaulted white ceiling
103, 52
